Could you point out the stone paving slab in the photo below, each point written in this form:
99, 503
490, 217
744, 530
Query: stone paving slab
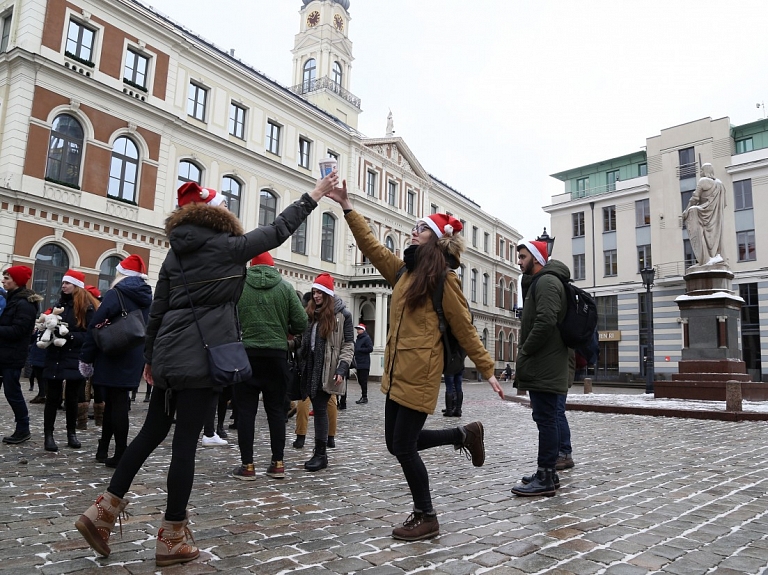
647, 495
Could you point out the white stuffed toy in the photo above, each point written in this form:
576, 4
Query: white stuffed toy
52, 329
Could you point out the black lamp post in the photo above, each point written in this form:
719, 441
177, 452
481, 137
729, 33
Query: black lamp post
648, 275
544, 237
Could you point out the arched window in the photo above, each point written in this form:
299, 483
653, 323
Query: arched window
337, 74
512, 297
510, 347
485, 338
309, 75
267, 207
389, 242
188, 172
328, 237
500, 350
51, 263
501, 293
299, 239
485, 289
108, 272
65, 151
123, 170
232, 190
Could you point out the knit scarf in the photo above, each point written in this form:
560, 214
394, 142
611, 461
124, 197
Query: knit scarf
314, 360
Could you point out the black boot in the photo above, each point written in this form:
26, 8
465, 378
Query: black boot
526, 479
448, 411
459, 400
331, 441
72, 440
220, 431
102, 451
114, 460
148, 395
133, 395
319, 458
299, 443
542, 484
50, 444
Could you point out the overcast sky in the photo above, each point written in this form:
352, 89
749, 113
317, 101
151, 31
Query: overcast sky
493, 96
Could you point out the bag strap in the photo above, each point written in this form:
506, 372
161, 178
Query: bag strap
191, 305
123, 311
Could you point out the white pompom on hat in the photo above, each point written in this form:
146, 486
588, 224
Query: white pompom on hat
442, 224
192, 193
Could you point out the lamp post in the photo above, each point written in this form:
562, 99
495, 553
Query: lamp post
648, 275
544, 237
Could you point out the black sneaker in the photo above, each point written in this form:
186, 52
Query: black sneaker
362, 400
17, 437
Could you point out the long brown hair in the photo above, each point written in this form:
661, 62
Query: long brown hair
326, 317
430, 263
82, 300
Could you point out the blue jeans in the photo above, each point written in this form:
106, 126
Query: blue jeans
562, 426
544, 408
453, 383
12, 389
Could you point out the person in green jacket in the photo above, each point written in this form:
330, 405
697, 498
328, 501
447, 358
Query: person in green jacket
542, 361
269, 311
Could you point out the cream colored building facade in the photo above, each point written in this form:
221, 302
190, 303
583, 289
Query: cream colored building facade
625, 213
106, 107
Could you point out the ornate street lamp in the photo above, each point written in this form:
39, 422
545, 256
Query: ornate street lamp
648, 275
544, 237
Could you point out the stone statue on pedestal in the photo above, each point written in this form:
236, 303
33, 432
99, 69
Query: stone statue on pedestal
704, 218
390, 125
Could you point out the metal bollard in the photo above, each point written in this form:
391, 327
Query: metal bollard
733, 396
587, 385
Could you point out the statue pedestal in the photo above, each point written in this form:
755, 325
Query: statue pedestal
711, 355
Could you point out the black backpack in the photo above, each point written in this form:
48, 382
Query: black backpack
453, 354
580, 322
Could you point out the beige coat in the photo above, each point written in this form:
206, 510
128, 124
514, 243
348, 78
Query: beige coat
413, 357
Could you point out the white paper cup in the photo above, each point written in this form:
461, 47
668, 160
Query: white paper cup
327, 166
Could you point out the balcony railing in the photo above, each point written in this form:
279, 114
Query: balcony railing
607, 188
687, 171
325, 83
363, 270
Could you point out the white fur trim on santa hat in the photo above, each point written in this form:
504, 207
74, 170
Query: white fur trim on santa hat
217, 200
73, 281
322, 288
433, 226
130, 273
535, 252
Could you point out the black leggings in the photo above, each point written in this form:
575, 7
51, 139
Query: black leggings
116, 403
71, 392
320, 407
405, 438
190, 407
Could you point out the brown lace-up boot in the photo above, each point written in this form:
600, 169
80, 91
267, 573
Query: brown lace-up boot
172, 543
473, 444
97, 523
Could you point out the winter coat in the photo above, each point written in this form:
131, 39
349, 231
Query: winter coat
339, 350
363, 349
121, 369
213, 251
16, 326
269, 311
62, 362
413, 355
542, 360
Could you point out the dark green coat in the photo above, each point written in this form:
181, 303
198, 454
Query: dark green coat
542, 361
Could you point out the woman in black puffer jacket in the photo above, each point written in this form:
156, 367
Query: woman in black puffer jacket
61, 363
210, 248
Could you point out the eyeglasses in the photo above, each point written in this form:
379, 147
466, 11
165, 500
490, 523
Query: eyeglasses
420, 227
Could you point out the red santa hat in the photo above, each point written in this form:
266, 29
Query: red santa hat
192, 193
133, 266
74, 277
537, 248
442, 224
19, 274
263, 259
360, 326
324, 283
94, 291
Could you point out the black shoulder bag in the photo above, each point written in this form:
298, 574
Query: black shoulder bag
123, 332
228, 362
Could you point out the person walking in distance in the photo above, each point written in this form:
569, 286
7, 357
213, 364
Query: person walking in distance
116, 374
363, 349
413, 356
270, 312
327, 348
209, 250
542, 361
16, 326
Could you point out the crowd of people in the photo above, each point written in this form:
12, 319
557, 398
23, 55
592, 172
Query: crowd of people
218, 285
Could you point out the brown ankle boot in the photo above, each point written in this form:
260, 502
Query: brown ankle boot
98, 414
82, 416
172, 543
97, 523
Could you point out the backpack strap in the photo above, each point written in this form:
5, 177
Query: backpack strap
437, 300
400, 273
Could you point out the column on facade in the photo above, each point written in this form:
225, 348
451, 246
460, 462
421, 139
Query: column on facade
380, 321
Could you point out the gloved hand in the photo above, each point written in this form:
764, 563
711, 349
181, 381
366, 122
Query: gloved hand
86, 369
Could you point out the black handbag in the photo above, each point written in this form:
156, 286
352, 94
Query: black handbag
228, 363
293, 390
122, 332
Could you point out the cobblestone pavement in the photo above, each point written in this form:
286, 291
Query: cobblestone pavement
647, 495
